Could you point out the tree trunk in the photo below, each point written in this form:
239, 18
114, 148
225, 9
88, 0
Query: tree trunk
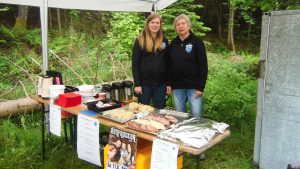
249, 31
58, 20
21, 20
249, 28
204, 11
18, 106
66, 19
230, 37
219, 17
50, 18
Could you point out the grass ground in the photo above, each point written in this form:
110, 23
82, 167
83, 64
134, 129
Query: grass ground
20, 147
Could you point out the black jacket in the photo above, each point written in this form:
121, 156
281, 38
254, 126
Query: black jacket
188, 63
149, 68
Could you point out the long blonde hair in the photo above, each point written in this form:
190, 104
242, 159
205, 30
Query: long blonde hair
145, 38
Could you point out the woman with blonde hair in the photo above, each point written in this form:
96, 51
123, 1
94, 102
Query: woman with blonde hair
149, 67
188, 67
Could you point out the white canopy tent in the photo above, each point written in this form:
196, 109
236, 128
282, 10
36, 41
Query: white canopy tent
101, 5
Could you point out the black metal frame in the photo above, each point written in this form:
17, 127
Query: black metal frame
73, 130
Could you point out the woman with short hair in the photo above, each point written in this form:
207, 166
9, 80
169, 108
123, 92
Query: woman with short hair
188, 67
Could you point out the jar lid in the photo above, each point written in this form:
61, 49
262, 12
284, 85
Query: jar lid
116, 85
127, 83
45, 76
106, 87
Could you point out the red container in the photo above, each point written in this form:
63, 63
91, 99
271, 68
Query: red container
69, 100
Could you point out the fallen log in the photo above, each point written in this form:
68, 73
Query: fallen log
18, 106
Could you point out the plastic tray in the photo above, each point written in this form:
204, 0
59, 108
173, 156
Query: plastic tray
113, 119
92, 105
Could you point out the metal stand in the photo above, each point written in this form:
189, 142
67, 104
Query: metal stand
75, 133
71, 130
198, 161
43, 131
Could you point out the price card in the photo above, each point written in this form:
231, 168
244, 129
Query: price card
164, 155
88, 147
55, 119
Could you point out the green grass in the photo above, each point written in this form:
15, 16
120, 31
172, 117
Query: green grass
235, 152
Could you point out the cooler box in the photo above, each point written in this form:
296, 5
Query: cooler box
69, 100
143, 157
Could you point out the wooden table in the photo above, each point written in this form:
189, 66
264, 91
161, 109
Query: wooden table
103, 121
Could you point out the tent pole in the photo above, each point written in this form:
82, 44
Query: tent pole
44, 28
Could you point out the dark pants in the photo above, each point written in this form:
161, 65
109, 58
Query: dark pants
157, 93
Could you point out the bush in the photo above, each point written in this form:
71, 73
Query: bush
230, 93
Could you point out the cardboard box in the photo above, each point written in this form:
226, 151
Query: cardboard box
143, 157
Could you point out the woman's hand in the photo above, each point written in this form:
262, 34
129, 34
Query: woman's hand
169, 90
198, 94
138, 90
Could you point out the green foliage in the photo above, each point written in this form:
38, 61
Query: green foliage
74, 13
33, 37
120, 38
4, 9
7, 36
247, 8
187, 7
268, 5
97, 22
18, 59
18, 36
230, 93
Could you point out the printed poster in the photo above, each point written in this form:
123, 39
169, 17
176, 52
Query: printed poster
122, 149
55, 119
88, 148
164, 155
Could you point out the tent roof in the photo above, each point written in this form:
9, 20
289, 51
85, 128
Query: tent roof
102, 5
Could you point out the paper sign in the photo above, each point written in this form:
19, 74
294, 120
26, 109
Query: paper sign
55, 119
88, 147
164, 155
122, 150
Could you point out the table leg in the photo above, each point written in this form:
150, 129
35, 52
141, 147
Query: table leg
65, 131
71, 130
75, 133
198, 159
43, 131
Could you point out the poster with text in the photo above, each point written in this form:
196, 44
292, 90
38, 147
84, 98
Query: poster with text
88, 148
55, 119
122, 149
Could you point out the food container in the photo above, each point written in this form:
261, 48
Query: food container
117, 92
56, 90
86, 90
127, 90
101, 96
42, 85
106, 88
93, 105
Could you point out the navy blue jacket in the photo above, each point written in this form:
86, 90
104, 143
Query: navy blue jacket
149, 68
188, 63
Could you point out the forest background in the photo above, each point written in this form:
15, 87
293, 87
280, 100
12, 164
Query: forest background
93, 47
